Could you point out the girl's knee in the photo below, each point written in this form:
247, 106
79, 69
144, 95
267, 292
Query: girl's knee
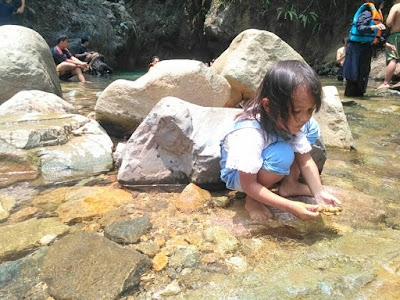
268, 179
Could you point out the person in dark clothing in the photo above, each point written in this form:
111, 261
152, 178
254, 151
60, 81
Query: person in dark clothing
366, 31
67, 64
84, 54
7, 10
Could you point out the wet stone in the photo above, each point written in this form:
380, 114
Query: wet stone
23, 214
148, 248
185, 257
88, 266
6, 205
224, 240
193, 198
128, 232
221, 201
19, 278
22, 238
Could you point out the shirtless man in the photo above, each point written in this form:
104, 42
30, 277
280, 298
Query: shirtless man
340, 56
392, 58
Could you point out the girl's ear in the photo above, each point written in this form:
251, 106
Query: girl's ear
265, 104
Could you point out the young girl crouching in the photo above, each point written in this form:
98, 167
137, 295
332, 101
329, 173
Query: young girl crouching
267, 138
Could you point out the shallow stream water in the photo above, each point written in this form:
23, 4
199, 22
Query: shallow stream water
348, 258
372, 167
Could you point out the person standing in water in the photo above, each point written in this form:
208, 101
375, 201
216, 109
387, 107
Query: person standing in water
366, 31
266, 139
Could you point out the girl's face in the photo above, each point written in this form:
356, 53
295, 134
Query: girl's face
302, 110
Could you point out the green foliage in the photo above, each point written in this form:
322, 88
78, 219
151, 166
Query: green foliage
307, 18
287, 12
317, 28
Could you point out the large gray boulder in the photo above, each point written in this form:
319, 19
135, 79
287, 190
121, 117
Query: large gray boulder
124, 104
335, 129
248, 58
179, 142
35, 102
26, 63
65, 146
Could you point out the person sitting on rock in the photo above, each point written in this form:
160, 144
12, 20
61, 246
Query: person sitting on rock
84, 54
154, 61
67, 64
7, 10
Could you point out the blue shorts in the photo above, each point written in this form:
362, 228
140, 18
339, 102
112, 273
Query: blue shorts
277, 159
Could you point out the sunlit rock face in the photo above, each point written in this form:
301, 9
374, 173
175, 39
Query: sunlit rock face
335, 129
247, 59
26, 63
124, 104
179, 142
34, 101
58, 146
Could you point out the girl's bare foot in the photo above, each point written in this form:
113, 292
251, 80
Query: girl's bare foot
257, 211
290, 188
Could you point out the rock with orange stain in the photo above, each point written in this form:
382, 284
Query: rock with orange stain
50, 201
160, 261
23, 214
193, 198
16, 165
87, 203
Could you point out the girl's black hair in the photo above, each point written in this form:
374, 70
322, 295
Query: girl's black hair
278, 86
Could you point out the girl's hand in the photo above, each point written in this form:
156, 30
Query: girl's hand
303, 211
325, 197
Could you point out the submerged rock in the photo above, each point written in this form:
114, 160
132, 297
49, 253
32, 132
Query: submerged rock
22, 238
184, 257
16, 165
88, 266
20, 279
192, 199
128, 232
86, 203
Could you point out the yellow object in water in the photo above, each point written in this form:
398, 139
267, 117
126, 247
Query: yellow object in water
329, 210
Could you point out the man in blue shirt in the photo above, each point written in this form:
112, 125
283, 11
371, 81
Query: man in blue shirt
7, 10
